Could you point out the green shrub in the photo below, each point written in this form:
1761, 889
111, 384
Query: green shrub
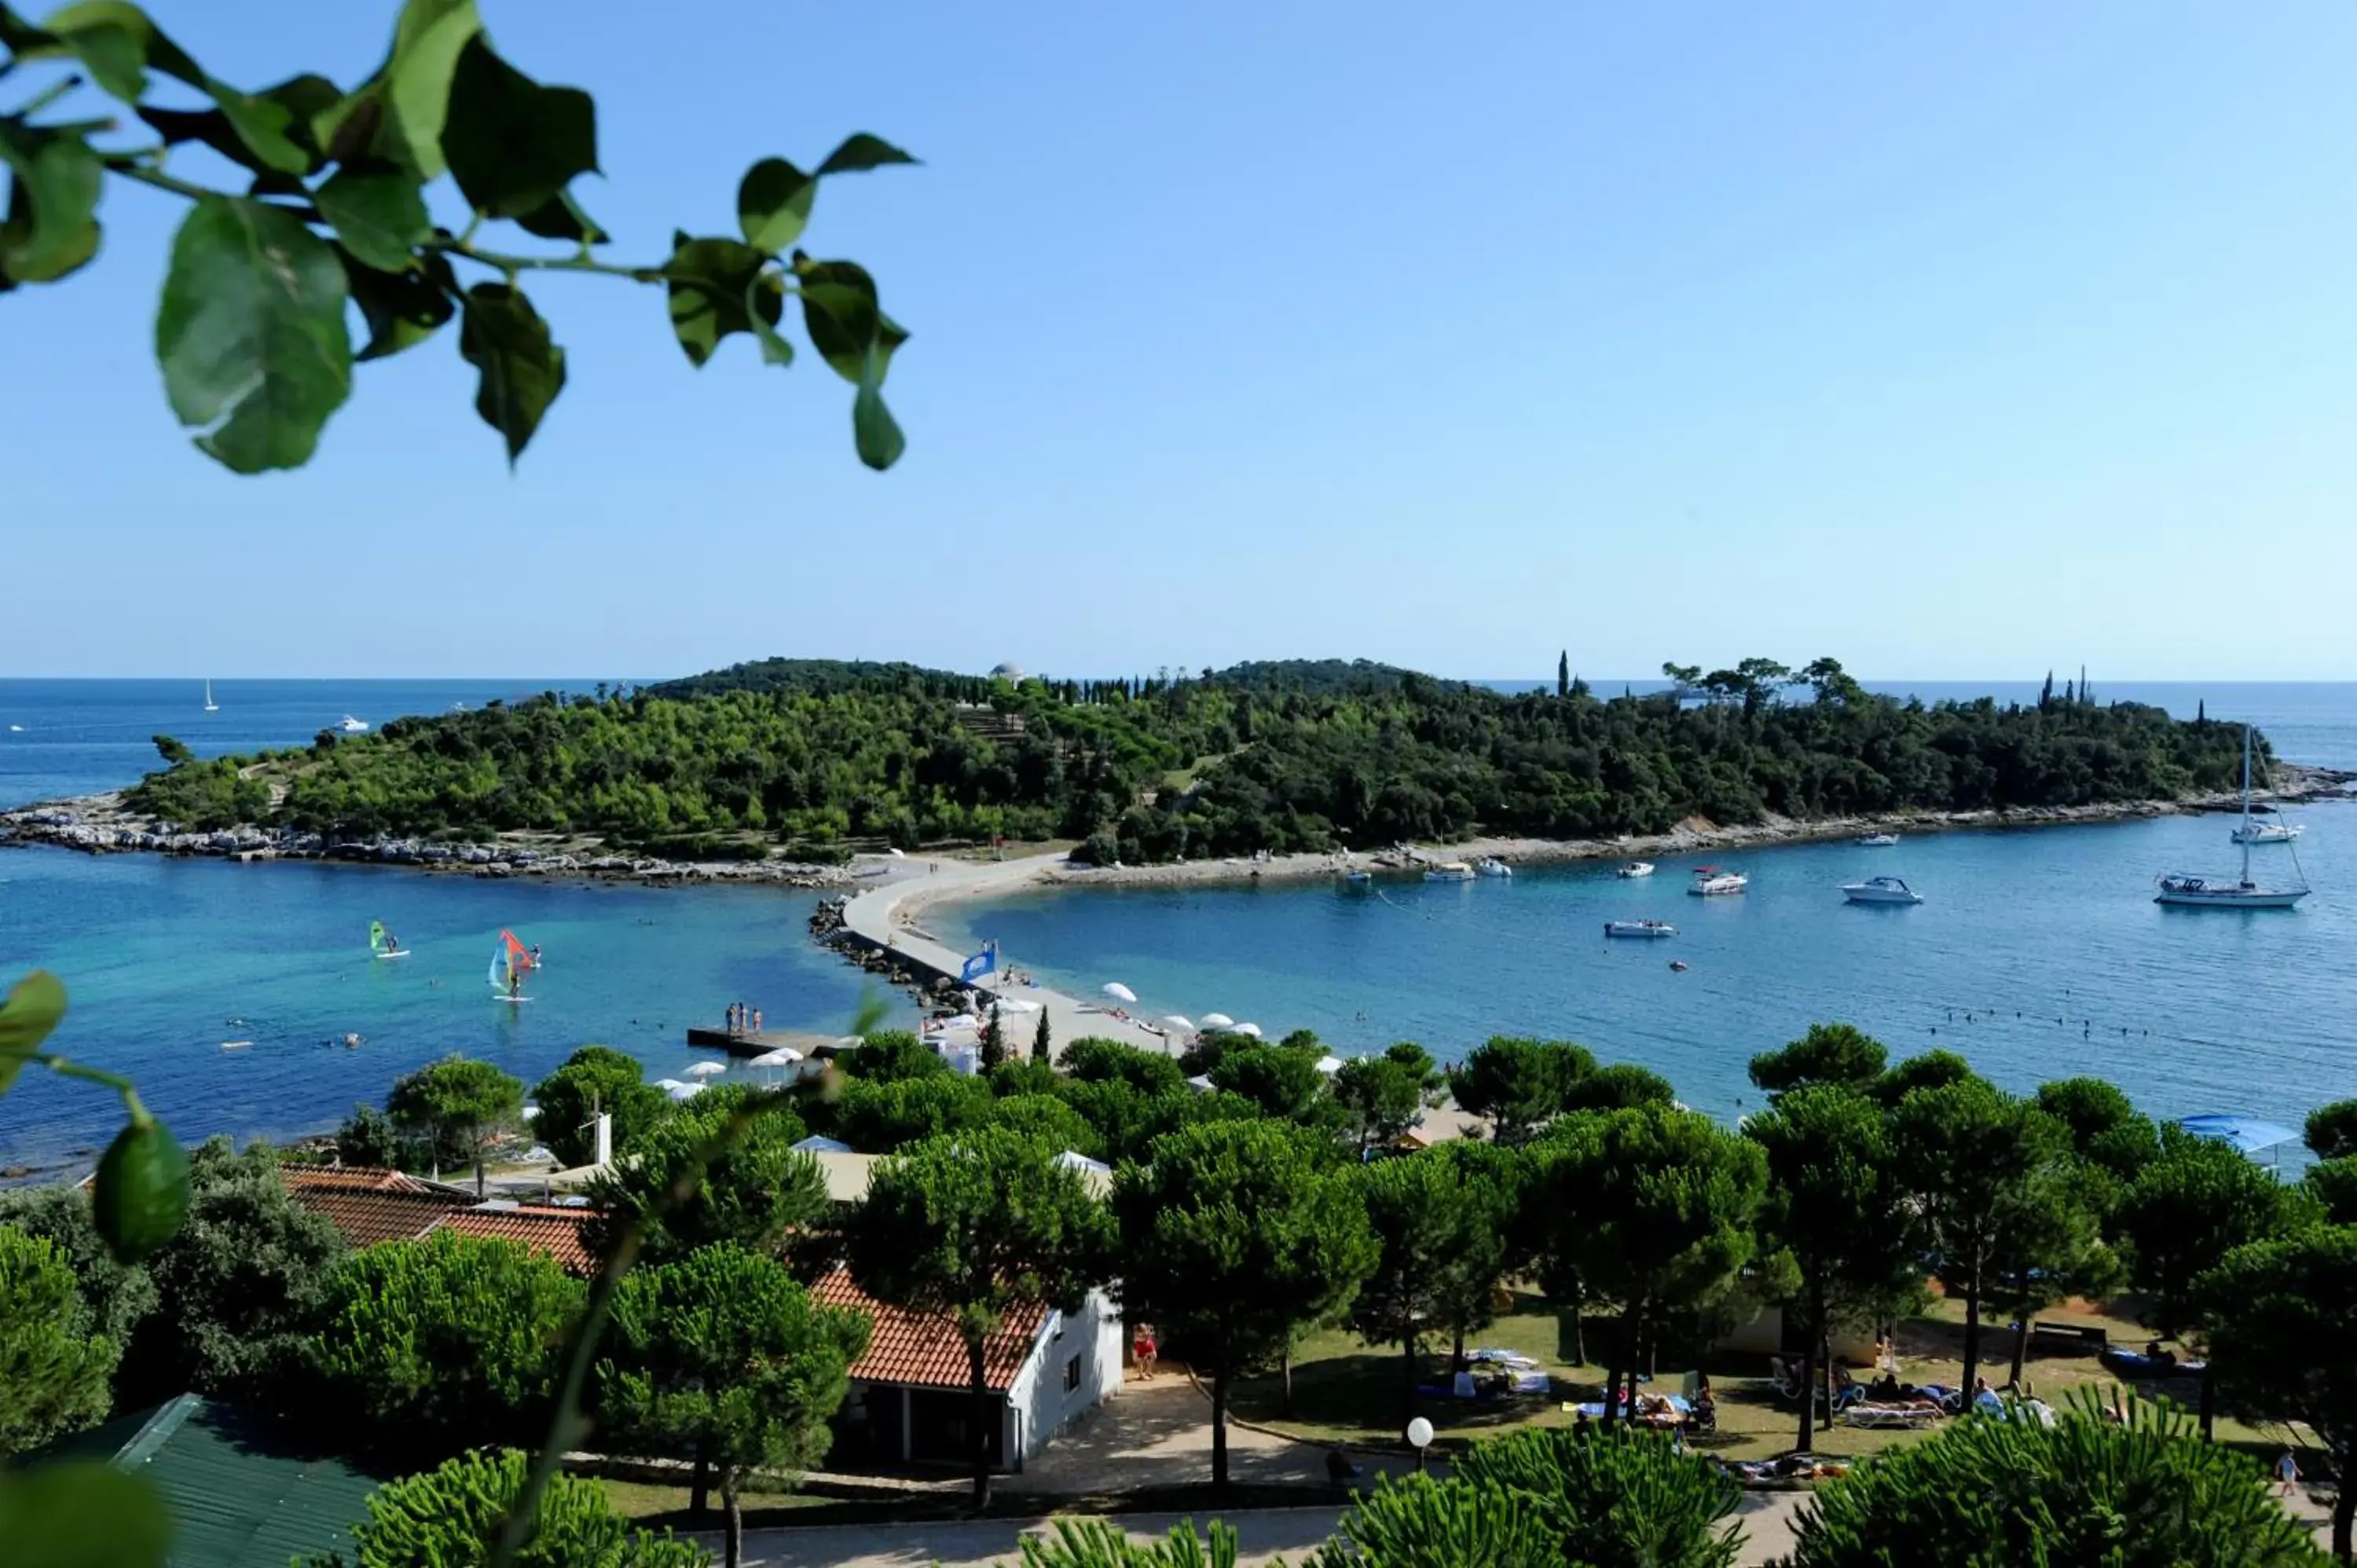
2084, 1493
451, 1517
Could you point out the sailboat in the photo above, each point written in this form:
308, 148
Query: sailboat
508, 962
211, 707
2192, 892
381, 943
2253, 831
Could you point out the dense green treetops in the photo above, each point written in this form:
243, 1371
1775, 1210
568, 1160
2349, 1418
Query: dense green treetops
53, 1369
1146, 769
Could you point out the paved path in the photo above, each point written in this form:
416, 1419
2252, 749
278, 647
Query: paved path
1264, 1533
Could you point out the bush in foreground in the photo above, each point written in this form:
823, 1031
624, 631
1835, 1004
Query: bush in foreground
2084, 1491
451, 1517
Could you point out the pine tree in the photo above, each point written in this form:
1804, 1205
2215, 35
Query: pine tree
1043, 1046
2046, 694
994, 1040
1563, 673
2201, 711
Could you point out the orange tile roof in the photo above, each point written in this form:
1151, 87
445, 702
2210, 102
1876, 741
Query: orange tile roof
556, 1231
360, 1178
367, 1216
926, 1352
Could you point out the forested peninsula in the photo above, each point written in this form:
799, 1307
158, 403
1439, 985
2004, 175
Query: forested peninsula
809, 758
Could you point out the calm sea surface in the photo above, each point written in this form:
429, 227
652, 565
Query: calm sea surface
2045, 938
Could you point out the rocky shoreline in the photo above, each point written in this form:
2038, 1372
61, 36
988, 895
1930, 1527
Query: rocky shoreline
101, 824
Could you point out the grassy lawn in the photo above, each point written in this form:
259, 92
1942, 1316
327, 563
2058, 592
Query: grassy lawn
656, 1506
1346, 1390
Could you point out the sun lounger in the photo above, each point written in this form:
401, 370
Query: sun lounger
1914, 1415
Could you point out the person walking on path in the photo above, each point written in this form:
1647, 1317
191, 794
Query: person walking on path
2287, 1474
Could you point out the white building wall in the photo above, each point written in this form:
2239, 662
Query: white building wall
1039, 1407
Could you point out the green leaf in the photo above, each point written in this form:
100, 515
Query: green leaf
116, 43
714, 293
773, 203
23, 39
513, 144
403, 309
139, 1195
874, 431
505, 339
378, 214
34, 1006
561, 218
50, 229
764, 314
251, 333
861, 151
83, 1514
298, 100
400, 114
840, 313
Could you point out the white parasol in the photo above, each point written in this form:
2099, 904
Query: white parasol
1218, 1021
1252, 1030
784, 1056
1183, 1025
705, 1069
1119, 992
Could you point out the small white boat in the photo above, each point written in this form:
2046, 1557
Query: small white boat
352, 726
1635, 868
1877, 841
1881, 890
16, 729
2189, 891
1451, 871
1490, 865
1359, 876
1710, 882
1639, 928
2256, 832
211, 707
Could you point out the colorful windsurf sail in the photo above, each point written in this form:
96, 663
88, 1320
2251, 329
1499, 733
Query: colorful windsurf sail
378, 942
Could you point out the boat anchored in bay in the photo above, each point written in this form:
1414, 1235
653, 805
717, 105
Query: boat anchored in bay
1655, 929
1710, 882
2187, 890
1881, 890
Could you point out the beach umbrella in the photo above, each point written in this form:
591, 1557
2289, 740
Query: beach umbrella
896, 854
1119, 992
1014, 1004
784, 1056
1201, 1083
1218, 1021
1329, 1066
1184, 1025
1252, 1030
705, 1069
679, 1091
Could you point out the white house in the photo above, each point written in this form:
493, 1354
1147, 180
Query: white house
911, 1400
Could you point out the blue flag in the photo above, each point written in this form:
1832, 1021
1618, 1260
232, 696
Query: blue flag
982, 963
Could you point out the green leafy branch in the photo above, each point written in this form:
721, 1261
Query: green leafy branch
140, 1193
252, 332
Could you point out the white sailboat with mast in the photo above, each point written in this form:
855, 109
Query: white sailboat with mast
2189, 891
211, 707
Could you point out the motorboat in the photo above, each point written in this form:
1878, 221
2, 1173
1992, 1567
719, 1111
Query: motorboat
1710, 882
1881, 890
1639, 928
2187, 890
1633, 868
2256, 832
1877, 841
352, 725
1359, 876
1490, 865
1450, 871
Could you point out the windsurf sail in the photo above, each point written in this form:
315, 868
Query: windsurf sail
518, 956
499, 967
377, 942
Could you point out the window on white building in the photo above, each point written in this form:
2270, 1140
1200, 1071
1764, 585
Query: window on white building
1073, 1376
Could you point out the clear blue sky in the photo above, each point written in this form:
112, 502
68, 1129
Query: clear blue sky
1952, 342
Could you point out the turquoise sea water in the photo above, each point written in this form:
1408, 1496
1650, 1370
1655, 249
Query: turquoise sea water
2223, 1012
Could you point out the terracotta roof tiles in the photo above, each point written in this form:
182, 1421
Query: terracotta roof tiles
366, 1217
556, 1231
926, 1352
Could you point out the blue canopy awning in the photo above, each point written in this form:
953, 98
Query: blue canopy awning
2247, 1133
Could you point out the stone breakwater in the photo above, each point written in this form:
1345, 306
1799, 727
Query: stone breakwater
99, 824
